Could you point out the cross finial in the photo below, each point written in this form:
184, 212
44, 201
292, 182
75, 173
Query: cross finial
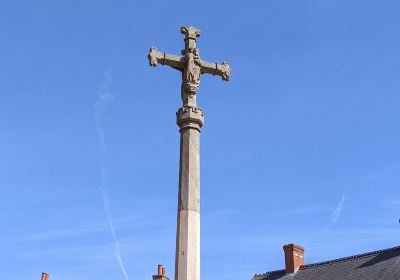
190, 65
191, 33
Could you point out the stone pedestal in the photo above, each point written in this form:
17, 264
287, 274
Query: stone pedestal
187, 262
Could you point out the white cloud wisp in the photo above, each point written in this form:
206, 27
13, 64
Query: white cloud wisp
338, 210
104, 98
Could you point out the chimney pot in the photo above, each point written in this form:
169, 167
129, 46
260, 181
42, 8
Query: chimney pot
160, 269
160, 273
45, 276
294, 257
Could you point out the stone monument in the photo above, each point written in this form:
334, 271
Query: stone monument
190, 119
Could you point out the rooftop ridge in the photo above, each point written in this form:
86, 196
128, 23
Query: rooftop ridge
363, 255
269, 272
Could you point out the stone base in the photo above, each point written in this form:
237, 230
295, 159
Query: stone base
188, 246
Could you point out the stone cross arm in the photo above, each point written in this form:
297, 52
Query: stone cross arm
175, 61
223, 69
179, 62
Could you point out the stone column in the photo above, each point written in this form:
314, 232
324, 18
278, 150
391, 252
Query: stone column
187, 258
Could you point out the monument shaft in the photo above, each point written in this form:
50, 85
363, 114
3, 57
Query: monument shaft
190, 119
187, 255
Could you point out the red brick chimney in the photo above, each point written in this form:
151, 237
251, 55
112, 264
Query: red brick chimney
160, 273
294, 257
45, 276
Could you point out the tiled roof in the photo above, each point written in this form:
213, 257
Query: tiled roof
377, 265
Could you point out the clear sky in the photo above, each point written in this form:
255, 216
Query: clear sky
302, 145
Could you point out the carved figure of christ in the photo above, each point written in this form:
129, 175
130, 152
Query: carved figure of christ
190, 119
190, 64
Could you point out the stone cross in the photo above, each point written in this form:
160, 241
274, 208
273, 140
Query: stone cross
190, 119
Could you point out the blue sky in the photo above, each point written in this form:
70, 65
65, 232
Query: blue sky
301, 145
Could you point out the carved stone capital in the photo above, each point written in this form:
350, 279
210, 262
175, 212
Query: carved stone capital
190, 32
190, 117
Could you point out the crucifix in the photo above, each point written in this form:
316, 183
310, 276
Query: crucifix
190, 119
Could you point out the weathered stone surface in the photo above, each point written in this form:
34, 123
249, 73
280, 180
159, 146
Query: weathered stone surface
187, 258
190, 119
190, 65
189, 170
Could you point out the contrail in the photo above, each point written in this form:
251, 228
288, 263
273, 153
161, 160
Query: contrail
104, 98
338, 210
